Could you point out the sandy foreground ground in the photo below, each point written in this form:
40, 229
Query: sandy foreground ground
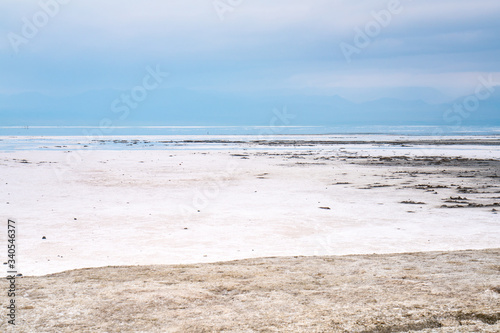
419, 292
79, 209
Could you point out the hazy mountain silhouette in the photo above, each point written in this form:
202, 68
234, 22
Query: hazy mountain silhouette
177, 106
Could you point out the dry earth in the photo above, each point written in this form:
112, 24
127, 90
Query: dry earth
426, 292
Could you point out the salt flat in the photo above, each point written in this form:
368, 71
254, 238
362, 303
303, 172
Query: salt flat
178, 206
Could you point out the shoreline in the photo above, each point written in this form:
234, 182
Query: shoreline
270, 258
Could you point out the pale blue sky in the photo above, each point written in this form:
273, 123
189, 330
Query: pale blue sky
431, 50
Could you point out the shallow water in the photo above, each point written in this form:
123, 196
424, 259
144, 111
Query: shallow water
96, 131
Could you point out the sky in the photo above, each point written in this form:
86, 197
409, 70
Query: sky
429, 50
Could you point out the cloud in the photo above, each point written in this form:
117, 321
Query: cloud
261, 44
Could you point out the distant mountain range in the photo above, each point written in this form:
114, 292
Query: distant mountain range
178, 106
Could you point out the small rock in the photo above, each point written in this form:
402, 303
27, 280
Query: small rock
44, 237
327, 208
